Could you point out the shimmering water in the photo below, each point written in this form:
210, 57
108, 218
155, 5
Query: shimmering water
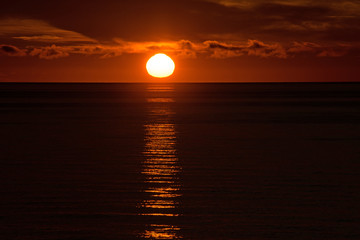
180, 161
160, 166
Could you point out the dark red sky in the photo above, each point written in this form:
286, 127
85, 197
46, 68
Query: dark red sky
213, 40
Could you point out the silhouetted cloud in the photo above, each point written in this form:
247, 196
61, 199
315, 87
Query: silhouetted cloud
12, 51
51, 52
319, 50
185, 49
251, 48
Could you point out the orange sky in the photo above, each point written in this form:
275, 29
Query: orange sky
209, 40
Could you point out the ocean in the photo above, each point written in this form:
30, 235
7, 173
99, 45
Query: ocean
180, 161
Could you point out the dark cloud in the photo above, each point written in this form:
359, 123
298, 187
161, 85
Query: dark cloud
319, 50
217, 45
187, 49
216, 28
301, 47
252, 48
156, 20
277, 50
186, 45
293, 13
51, 52
12, 51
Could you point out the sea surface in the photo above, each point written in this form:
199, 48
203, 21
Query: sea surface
179, 161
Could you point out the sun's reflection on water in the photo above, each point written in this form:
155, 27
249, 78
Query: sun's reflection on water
160, 166
162, 232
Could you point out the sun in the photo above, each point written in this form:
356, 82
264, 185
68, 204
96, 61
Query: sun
160, 65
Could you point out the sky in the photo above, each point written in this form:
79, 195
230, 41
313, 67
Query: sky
209, 40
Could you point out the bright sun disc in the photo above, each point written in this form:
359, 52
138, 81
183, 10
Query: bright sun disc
160, 66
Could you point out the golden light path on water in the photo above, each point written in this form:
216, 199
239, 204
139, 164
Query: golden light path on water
160, 166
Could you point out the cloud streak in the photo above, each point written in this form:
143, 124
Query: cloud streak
38, 31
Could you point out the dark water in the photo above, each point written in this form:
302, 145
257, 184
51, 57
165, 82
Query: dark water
170, 161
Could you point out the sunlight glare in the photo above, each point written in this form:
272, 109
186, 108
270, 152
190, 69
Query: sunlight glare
160, 65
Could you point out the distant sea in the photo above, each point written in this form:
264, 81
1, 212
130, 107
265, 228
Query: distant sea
180, 161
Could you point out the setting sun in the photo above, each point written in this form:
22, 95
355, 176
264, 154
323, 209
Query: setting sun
160, 65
